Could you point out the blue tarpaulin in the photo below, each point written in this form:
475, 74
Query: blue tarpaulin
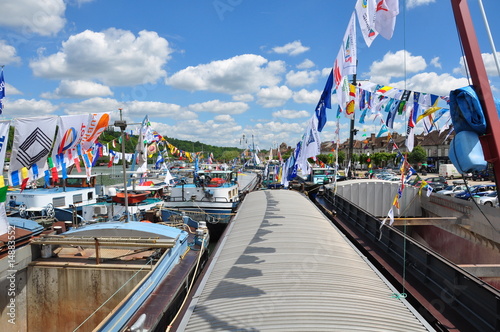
466, 111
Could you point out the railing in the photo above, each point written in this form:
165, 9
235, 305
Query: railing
451, 287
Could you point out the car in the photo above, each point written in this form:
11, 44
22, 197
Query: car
477, 190
490, 199
481, 176
440, 179
436, 182
452, 190
394, 178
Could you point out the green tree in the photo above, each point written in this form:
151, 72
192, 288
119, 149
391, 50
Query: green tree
363, 159
230, 155
326, 158
418, 155
342, 157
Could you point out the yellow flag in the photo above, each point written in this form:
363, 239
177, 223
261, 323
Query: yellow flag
24, 173
428, 112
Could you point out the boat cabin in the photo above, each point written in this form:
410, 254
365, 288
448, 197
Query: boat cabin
76, 181
322, 175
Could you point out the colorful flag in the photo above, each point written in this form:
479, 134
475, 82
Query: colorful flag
365, 10
404, 100
69, 135
384, 89
428, 112
394, 106
3, 194
346, 61
97, 124
383, 130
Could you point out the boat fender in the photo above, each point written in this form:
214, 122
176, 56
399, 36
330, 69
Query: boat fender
111, 191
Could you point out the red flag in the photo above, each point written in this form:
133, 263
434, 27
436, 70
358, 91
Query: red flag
55, 174
24, 184
77, 164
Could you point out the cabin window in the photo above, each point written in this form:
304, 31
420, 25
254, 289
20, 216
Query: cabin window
71, 182
77, 198
90, 196
59, 201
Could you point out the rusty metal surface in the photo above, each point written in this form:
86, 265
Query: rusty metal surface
443, 292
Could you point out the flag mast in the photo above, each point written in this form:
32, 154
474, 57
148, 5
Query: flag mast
352, 132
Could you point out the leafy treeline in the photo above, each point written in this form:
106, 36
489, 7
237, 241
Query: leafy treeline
225, 153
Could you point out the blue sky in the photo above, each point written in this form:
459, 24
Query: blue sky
213, 71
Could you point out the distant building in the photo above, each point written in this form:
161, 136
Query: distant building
435, 144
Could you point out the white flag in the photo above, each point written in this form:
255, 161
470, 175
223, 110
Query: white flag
311, 144
429, 190
391, 215
349, 50
365, 9
4, 223
33, 138
4, 139
385, 17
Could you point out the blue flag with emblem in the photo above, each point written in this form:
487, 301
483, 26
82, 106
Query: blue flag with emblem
324, 102
2, 90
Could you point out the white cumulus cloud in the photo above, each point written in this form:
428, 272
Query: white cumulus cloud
293, 48
489, 65
43, 18
304, 96
432, 83
220, 107
8, 54
395, 65
301, 78
415, 3
241, 74
246, 98
274, 96
306, 64
196, 130
29, 108
78, 89
291, 114
114, 57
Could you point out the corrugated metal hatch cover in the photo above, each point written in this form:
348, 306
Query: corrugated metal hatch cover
283, 266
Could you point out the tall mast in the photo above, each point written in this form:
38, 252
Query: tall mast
490, 141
